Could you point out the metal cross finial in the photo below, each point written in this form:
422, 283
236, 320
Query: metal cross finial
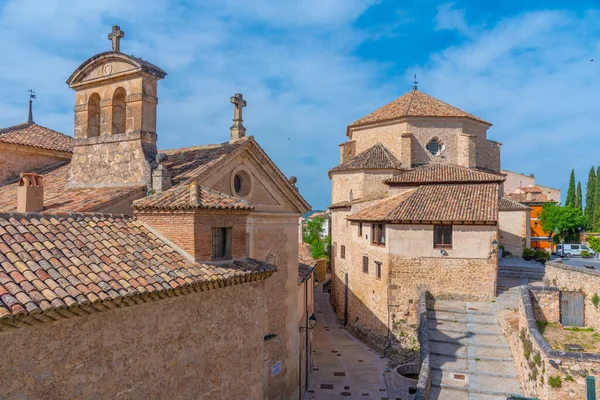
32, 96
415, 82
237, 129
116, 35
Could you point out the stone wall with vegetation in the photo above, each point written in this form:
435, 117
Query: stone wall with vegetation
545, 373
577, 279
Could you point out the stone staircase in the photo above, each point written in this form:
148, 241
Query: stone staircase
470, 357
511, 277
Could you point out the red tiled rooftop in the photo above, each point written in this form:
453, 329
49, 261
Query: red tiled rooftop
473, 203
55, 262
414, 104
443, 173
376, 157
34, 135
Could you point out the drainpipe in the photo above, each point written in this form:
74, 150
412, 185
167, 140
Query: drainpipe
306, 333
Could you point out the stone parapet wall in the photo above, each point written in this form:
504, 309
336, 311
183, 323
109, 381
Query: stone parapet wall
532, 355
424, 384
577, 279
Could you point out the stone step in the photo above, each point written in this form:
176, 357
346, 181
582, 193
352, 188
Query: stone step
463, 357
465, 332
464, 342
463, 311
516, 275
477, 373
461, 321
471, 391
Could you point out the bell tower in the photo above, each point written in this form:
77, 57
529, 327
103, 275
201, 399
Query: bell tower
115, 119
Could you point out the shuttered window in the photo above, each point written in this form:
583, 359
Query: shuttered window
221, 243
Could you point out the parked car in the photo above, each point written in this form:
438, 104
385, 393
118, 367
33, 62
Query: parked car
570, 250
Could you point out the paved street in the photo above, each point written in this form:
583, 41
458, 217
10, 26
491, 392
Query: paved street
343, 366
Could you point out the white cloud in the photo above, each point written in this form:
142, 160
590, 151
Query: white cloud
531, 76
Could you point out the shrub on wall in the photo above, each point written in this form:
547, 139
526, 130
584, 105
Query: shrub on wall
555, 382
596, 300
541, 255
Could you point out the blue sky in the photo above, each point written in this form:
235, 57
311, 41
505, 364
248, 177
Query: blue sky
309, 68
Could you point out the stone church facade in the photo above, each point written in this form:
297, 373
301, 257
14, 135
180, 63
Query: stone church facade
140, 273
415, 202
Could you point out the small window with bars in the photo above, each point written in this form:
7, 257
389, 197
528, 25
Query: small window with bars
378, 269
343, 251
221, 244
360, 229
365, 264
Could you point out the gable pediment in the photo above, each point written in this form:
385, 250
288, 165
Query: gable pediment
111, 64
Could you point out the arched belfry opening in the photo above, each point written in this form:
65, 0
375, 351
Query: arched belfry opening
115, 119
93, 110
119, 111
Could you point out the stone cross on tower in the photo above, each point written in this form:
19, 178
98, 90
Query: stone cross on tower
116, 36
237, 130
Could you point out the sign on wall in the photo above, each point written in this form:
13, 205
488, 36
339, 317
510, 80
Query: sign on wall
275, 369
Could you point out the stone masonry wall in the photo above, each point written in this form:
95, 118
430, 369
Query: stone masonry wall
576, 279
205, 345
532, 355
13, 162
546, 303
473, 279
113, 160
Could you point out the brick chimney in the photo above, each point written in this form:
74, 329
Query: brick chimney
30, 193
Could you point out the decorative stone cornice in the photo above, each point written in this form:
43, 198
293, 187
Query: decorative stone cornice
120, 137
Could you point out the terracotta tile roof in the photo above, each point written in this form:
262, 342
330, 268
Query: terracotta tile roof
443, 173
191, 162
505, 204
306, 263
59, 199
475, 203
320, 214
376, 157
57, 265
530, 189
522, 198
192, 196
183, 164
34, 135
346, 204
414, 104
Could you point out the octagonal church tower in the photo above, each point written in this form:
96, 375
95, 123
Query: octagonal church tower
115, 119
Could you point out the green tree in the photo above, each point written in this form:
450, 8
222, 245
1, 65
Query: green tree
570, 200
596, 215
561, 221
590, 192
578, 197
319, 248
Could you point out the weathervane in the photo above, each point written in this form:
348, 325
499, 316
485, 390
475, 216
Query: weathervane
415, 82
32, 96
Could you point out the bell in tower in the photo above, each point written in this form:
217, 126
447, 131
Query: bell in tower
115, 119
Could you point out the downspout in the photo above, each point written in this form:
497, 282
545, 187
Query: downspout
306, 333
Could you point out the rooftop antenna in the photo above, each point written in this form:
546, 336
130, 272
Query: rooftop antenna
32, 96
415, 82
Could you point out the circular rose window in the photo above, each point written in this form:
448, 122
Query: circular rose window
242, 183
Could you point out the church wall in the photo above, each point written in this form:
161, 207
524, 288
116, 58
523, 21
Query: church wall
341, 236
204, 345
488, 157
177, 226
274, 238
344, 182
15, 159
446, 130
388, 134
373, 182
513, 229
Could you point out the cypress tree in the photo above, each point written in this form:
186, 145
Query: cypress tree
578, 196
570, 200
590, 193
596, 202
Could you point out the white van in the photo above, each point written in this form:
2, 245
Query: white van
569, 250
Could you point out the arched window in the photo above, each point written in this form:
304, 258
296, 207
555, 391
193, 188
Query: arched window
93, 115
435, 147
119, 111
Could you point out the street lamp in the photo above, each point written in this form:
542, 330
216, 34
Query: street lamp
494, 246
